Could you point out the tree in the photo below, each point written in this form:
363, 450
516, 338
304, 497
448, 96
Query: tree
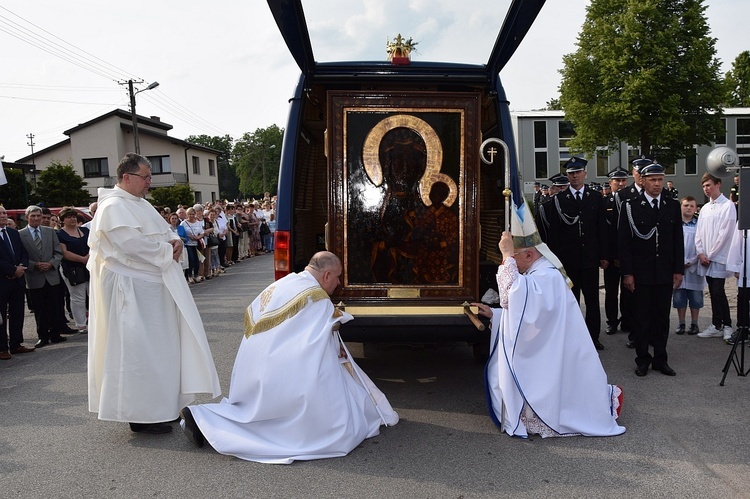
229, 183
256, 160
13, 195
737, 81
172, 196
646, 73
60, 185
553, 105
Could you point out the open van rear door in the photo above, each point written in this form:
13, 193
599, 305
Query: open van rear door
381, 165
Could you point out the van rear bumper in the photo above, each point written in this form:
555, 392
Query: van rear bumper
402, 327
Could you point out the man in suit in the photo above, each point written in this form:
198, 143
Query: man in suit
651, 261
43, 276
537, 196
577, 235
13, 263
612, 206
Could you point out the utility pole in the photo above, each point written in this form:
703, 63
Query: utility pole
132, 94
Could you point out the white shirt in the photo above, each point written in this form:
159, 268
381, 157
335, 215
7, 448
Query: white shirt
713, 235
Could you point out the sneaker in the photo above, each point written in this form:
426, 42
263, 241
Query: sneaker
727, 330
680, 329
711, 332
693, 329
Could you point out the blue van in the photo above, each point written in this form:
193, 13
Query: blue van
381, 164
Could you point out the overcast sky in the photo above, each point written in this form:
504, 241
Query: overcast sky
223, 67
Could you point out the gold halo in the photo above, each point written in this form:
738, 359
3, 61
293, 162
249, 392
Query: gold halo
371, 155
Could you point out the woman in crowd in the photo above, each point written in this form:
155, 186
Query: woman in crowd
204, 251
213, 245
74, 244
194, 231
253, 232
174, 224
243, 226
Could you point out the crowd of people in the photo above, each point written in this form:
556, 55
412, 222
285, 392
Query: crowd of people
45, 263
220, 234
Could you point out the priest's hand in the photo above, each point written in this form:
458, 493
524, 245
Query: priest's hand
176, 249
506, 245
483, 309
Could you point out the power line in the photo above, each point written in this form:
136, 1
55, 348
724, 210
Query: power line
53, 100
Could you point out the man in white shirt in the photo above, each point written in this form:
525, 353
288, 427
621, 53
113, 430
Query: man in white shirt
713, 237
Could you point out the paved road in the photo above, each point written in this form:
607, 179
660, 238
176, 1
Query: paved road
687, 436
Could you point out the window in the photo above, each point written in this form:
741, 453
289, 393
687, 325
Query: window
540, 150
196, 165
691, 163
160, 164
566, 132
602, 162
213, 196
721, 134
540, 164
198, 197
540, 134
211, 168
95, 167
743, 141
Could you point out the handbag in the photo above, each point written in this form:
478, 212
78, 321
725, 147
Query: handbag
264, 230
76, 275
201, 243
213, 240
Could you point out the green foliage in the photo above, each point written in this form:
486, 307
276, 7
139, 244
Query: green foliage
737, 81
12, 194
645, 72
256, 159
553, 105
229, 183
60, 185
172, 196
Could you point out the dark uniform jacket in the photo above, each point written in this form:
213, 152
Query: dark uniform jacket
653, 260
612, 205
577, 233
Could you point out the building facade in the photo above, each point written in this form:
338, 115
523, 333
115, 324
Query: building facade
542, 143
95, 148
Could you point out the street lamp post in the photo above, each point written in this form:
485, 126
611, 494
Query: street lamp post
132, 110
263, 165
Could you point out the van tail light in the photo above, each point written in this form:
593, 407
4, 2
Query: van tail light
281, 263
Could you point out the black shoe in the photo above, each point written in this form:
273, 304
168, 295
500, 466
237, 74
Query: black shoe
665, 369
693, 329
680, 329
611, 329
58, 339
641, 371
151, 428
598, 345
69, 330
630, 344
192, 432
42, 343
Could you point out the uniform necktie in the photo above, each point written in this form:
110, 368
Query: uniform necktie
578, 196
38, 239
7, 242
655, 203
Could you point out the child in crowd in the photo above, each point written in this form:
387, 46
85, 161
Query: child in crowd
691, 290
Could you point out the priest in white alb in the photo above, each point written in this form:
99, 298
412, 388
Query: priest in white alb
544, 375
148, 352
296, 392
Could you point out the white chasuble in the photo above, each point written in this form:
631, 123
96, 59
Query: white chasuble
291, 396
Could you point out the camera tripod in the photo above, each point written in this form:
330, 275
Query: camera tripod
738, 359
